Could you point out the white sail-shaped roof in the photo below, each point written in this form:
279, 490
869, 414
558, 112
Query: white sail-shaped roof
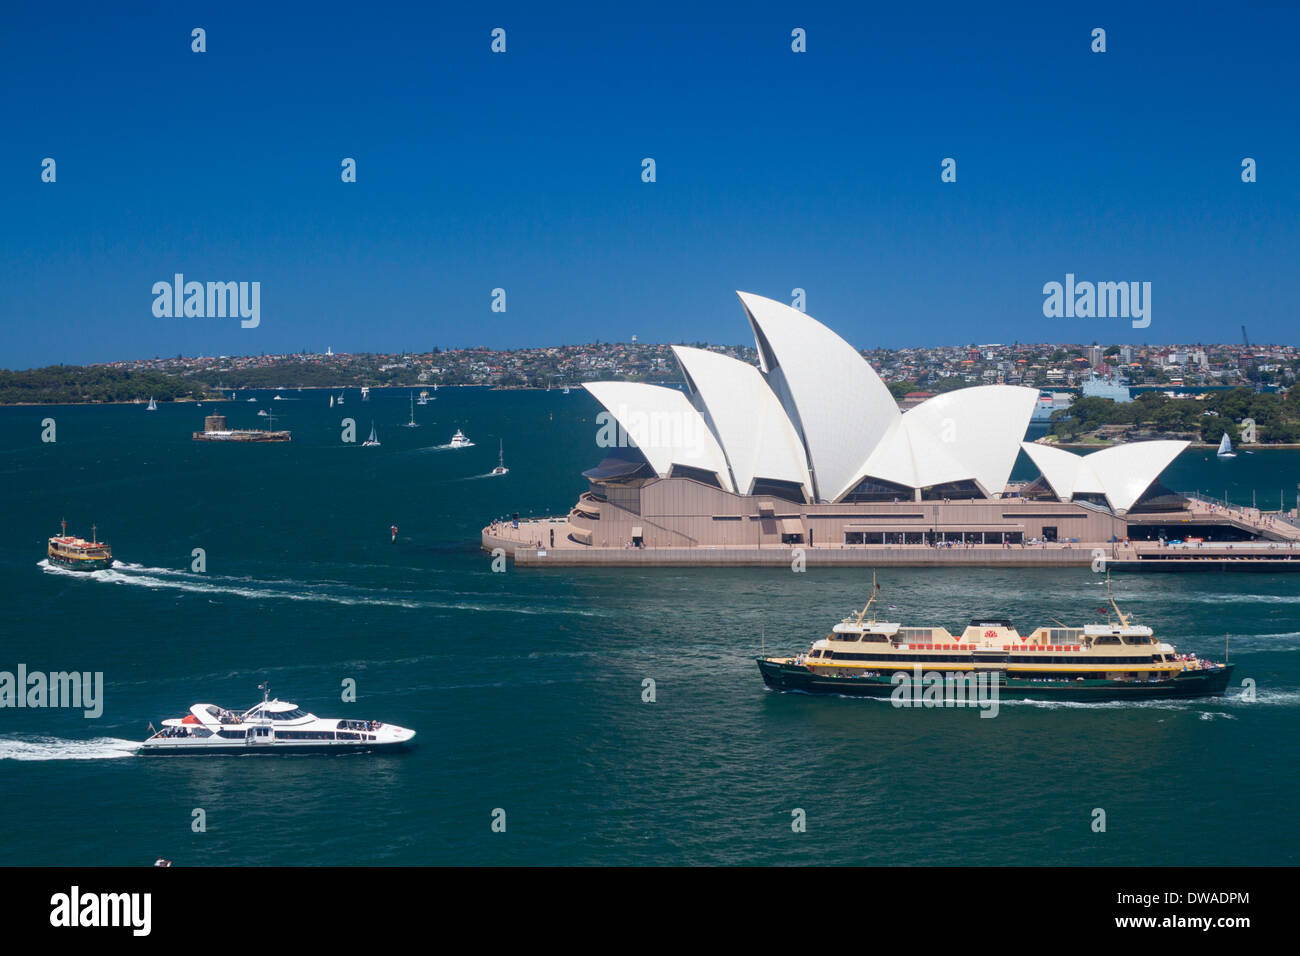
1126, 471
665, 426
973, 434
835, 399
909, 455
746, 416
981, 427
1122, 472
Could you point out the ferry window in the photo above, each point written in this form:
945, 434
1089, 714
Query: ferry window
1110, 639
847, 637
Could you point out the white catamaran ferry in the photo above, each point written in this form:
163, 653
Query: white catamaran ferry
271, 726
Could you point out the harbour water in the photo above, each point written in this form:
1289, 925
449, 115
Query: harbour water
527, 687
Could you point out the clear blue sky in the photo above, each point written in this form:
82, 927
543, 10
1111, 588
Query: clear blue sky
775, 170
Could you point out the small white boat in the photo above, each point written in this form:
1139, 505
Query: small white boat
373, 440
1225, 447
459, 440
262, 413
331, 401
278, 398
501, 468
272, 726
153, 406
424, 396
340, 398
566, 390
365, 393
252, 399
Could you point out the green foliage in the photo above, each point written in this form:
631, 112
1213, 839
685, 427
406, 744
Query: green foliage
1276, 420
68, 384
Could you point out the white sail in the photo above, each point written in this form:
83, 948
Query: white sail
1225, 446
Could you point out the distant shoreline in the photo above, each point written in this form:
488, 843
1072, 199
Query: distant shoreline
222, 398
1097, 446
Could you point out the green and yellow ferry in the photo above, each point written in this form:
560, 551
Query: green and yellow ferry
1115, 661
78, 554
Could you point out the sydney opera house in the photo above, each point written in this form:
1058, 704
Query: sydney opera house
810, 449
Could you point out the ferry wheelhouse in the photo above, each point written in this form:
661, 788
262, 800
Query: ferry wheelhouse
1118, 660
78, 554
271, 726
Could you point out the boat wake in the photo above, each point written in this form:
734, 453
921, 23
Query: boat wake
1210, 708
323, 593
22, 747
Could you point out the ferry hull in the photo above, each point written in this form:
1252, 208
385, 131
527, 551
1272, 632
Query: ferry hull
80, 564
1187, 684
234, 749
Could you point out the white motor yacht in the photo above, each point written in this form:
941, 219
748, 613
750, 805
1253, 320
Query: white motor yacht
271, 726
459, 440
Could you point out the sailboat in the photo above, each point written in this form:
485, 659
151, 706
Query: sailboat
365, 393
331, 401
153, 406
340, 398
424, 396
1225, 447
373, 440
412, 423
501, 468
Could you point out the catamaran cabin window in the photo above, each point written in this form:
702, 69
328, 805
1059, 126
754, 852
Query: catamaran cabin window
288, 714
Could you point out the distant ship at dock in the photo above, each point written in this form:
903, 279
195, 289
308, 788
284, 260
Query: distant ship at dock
215, 429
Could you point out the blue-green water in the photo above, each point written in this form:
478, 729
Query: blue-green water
526, 687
